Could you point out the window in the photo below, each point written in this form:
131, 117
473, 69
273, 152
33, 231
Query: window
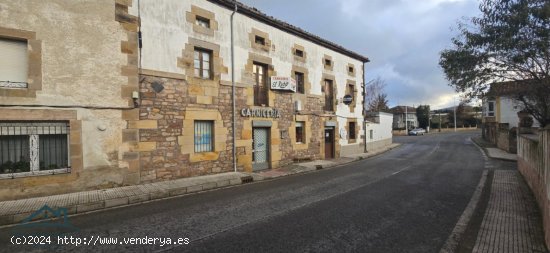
203, 63
259, 40
29, 148
350, 70
299, 53
351, 91
260, 85
204, 141
299, 82
371, 134
491, 108
13, 64
328, 62
202, 21
300, 137
351, 128
329, 99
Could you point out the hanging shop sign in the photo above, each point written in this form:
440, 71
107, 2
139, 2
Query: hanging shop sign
283, 83
260, 113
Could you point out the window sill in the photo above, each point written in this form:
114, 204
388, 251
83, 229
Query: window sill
35, 173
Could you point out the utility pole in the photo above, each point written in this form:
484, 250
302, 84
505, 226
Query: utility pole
439, 121
455, 117
406, 121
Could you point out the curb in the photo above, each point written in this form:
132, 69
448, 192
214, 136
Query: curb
148, 193
492, 157
451, 244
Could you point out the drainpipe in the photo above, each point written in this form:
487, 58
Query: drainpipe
364, 112
233, 90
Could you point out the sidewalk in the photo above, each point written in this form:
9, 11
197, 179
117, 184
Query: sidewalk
15, 211
511, 220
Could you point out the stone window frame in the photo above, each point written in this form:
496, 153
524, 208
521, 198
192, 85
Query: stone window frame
356, 132
266, 47
354, 95
307, 135
220, 135
352, 68
296, 48
328, 58
34, 71
48, 115
186, 62
197, 12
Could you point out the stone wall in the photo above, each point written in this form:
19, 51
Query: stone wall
534, 165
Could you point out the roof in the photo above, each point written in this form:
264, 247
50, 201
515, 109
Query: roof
259, 16
507, 88
401, 109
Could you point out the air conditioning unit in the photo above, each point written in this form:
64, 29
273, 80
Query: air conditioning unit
297, 105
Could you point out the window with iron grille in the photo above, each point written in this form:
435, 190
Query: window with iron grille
300, 135
351, 91
260, 86
202, 21
204, 136
203, 63
351, 128
13, 64
28, 148
299, 82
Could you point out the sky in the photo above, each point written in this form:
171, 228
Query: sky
402, 38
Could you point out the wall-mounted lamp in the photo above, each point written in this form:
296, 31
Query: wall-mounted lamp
135, 97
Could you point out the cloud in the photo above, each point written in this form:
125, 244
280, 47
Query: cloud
402, 38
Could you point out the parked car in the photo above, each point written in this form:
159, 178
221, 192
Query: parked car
417, 131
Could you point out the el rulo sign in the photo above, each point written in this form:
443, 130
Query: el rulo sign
283, 83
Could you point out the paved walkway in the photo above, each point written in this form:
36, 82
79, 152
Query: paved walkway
501, 154
16, 211
511, 222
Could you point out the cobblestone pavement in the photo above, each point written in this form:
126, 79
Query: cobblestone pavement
511, 222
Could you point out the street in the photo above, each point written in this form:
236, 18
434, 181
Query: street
406, 200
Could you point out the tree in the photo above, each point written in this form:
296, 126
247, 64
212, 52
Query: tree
423, 115
509, 42
375, 96
379, 104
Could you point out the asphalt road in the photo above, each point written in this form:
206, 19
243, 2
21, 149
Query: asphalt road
407, 200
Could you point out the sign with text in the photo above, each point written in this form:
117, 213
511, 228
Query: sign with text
283, 83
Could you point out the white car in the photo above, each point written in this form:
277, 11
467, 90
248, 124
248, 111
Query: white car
417, 131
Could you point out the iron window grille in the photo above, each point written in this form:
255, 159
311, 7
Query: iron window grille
34, 148
204, 141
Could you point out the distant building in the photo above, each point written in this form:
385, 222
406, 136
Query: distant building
378, 127
400, 113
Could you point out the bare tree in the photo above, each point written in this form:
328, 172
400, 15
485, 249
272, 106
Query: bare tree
375, 96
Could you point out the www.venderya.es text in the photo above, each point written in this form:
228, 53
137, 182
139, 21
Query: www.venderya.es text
97, 240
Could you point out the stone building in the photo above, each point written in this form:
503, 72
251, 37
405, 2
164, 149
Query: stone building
121, 92
67, 74
186, 85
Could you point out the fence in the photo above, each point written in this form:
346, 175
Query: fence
534, 165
